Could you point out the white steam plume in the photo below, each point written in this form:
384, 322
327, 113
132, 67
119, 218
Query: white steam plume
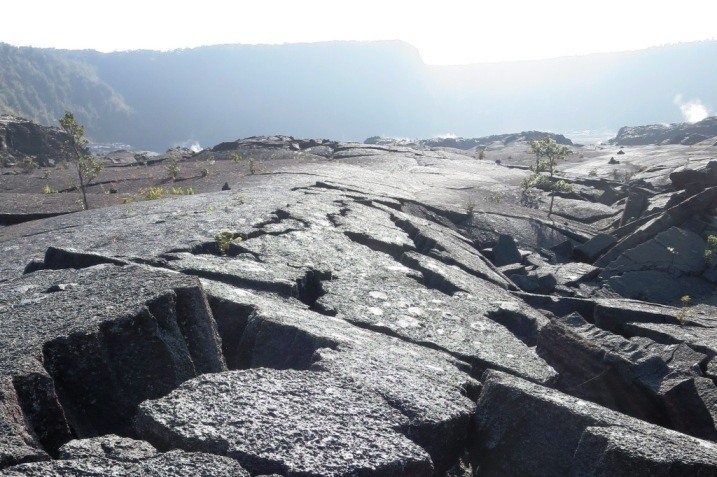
692, 111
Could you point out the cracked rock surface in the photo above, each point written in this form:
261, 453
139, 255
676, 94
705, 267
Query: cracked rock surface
349, 317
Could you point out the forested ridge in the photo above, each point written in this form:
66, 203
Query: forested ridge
346, 91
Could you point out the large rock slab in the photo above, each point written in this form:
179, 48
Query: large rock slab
287, 422
164, 465
431, 387
631, 376
582, 210
69, 365
522, 428
460, 324
109, 446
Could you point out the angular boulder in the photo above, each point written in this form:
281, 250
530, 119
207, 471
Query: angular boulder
287, 422
522, 428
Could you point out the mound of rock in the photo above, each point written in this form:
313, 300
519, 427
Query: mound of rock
678, 133
21, 137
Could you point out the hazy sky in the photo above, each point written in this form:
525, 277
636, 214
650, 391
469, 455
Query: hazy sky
445, 32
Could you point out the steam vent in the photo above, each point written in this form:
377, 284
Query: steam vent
383, 309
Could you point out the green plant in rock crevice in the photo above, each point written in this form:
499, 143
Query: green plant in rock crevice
683, 314
224, 241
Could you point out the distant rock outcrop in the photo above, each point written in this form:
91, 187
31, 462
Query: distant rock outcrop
686, 134
21, 137
478, 143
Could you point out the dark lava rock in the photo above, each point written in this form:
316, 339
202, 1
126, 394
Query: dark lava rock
594, 248
108, 446
629, 376
365, 279
582, 210
21, 137
536, 282
430, 386
661, 269
505, 251
522, 428
164, 465
121, 157
141, 335
705, 175
287, 422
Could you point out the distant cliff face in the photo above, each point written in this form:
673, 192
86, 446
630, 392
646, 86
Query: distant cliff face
344, 90
681, 133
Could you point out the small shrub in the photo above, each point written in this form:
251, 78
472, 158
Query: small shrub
495, 197
204, 172
481, 155
711, 248
48, 190
236, 158
469, 205
27, 165
253, 166
593, 173
562, 186
683, 314
536, 181
152, 193
172, 167
224, 241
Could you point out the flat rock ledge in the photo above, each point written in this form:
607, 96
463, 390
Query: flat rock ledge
284, 421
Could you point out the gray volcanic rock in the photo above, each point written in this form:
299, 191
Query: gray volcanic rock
359, 269
108, 446
164, 465
677, 133
705, 176
582, 210
20, 137
611, 451
672, 217
430, 386
522, 428
460, 324
629, 377
661, 269
142, 334
287, 422
505, 251
593, 248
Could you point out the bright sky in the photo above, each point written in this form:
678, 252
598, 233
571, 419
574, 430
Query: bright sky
445, 32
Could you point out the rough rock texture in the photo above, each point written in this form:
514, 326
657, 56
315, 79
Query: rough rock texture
360, 269
109, 446
631, 376
20, 137
287, 422
429, 386
141, 335
679, 133
523, 428
164, 465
